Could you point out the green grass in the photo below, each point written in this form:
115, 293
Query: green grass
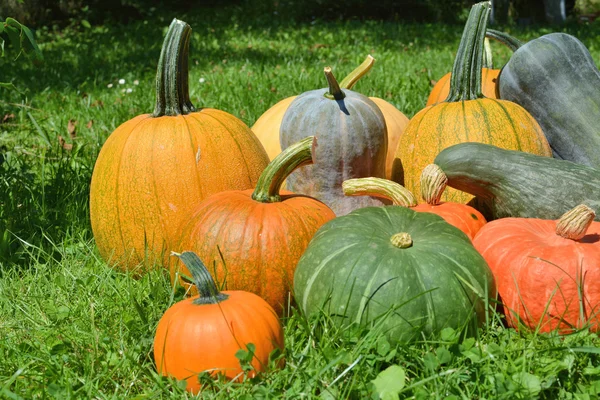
72, 327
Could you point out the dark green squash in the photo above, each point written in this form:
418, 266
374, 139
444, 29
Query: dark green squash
510, 183
350, 142
554, 78
409, 273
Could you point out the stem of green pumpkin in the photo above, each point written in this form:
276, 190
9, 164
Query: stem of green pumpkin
270, 181
207, 289
335, 92
487, 55
360, 71
172, 90
512, 43
465, 82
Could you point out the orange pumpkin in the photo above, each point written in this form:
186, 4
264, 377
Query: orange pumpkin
204, 334
255, 238
466, 116
153, 167
441, 89
434, 182
267, 125
546, 271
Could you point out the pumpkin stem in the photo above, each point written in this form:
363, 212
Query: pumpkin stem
401, 240
465, 81
270, 181
379, 187
172, 90
207, 289
360, 71
335, 92
487, 54
433, 184
511, 42
575, 223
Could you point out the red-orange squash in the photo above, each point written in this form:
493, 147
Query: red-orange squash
433, 184
154, 167
465, 116
203, 334
267, 126
254, 238
546, 271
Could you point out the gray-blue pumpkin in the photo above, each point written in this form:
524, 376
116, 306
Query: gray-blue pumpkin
350, 142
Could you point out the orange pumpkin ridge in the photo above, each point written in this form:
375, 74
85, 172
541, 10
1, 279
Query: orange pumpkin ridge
152, 168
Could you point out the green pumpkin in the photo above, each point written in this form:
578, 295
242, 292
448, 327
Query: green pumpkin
350, 142
411, 272
554, 78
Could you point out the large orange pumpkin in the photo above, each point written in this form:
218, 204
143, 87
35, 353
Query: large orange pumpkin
434, 182
255, 238
441, 89
154, 167
267, 126
466, 116
203, 334
546, 271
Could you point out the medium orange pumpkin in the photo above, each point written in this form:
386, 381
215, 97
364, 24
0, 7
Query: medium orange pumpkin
546, 271
267, 126
466, 116
204, 334
434, 182
255, 238
441, 89
152, 168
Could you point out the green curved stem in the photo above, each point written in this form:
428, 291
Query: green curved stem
172, 90
487, 55
379, 187
207, 289
511, 42
335, 92
270, 181
349, 81
465, 82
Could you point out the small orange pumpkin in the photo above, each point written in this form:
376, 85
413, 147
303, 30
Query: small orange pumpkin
256, 237
547, 271
153, 167
203, 334
433, 184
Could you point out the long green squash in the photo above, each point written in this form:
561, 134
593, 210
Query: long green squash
511, 183
554, 78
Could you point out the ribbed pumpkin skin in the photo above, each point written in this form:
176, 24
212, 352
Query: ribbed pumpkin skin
261, 243
351, 142
395, 123
266, 127
193, 338
441, 89
497, 122
462, 216
516, 184
554, 77
521, 253
353, 272
151, 171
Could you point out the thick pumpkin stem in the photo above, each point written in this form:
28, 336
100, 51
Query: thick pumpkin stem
172, 90
433, 184
207, 289
360, 71
575, 223
335, 92
401, 240
270, 181
465, 81
379, 187
511, 42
